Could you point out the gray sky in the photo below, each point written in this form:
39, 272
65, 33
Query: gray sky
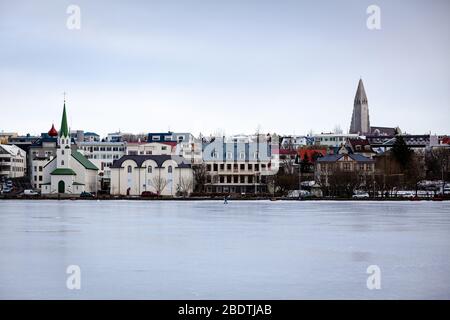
286, 66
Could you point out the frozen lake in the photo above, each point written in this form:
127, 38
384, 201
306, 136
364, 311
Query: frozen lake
208, 250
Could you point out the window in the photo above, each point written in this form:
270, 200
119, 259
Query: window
229, 166
149, 169
163, 148
215, 166
62, 151
229, 155
242, 166
242, 155
62, 162
208, 167
155, 138
169, 169
129, 169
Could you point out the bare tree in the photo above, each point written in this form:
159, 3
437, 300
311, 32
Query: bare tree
199, 171
159, 183
184, 186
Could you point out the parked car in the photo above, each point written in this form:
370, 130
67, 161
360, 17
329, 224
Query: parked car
30, 192
6, 190
148, 194
298, 194
360, 195
86, 194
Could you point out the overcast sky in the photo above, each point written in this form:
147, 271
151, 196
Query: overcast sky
198, 66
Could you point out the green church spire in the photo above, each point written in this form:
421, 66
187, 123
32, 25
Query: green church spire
64, 131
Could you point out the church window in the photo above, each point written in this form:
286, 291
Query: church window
169, 169
149, 169
129, 169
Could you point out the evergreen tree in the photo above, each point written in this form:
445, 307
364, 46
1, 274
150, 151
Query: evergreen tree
401, 152
305, 163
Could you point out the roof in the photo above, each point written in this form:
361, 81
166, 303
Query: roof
64, 131
360, 93
91, 134
12, 149
385, 131
83, 160
310, 153
336, 157
63, 172
159, 159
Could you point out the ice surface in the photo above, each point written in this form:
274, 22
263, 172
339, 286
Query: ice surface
208, 250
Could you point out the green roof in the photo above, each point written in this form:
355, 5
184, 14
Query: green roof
64, 131
63, 172
83, 160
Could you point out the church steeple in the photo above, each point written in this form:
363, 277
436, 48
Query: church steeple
64, 131
361, 96
360, 123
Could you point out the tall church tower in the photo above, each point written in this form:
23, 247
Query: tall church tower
360, 118
63, 152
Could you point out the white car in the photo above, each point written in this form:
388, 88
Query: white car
360, 195
29, 192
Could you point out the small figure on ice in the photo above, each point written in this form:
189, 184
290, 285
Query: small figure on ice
225, 200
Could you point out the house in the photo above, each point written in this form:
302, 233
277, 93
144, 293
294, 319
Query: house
161, 174
13, 161
343, 163
69, 172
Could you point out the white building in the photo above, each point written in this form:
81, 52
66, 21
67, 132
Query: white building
13, 161
295, 142
69, 172
333, 139
152, 148
102, 153
234, 166
161, 174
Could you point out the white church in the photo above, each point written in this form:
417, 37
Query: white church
69, 173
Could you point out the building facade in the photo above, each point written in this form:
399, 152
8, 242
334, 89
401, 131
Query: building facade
13, 161
240, 167
164, 175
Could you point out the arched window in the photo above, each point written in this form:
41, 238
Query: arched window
129, 169
149, 169
169, 169
62, 162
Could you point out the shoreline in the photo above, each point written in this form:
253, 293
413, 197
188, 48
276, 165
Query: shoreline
274, 199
